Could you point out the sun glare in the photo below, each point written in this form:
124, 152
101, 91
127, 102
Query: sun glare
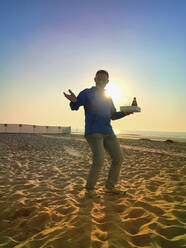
116, 131
113, 91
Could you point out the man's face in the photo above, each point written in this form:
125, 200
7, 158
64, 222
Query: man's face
101, 80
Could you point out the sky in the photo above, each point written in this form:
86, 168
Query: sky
48, 47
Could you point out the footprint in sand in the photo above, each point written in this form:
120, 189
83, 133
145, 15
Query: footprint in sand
71, 151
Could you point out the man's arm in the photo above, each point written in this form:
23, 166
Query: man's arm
80, 101
117, 115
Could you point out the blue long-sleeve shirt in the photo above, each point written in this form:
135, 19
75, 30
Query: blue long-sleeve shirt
99, 110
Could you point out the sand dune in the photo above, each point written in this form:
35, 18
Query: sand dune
42, 202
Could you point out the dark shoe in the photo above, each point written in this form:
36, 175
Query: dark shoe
115, 191
91, 193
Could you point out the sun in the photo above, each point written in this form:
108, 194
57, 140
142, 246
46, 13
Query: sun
113, 91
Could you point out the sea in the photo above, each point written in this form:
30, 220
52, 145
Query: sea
142, 134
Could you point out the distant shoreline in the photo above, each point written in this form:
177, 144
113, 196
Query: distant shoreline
120, 136
156, 138
143, 136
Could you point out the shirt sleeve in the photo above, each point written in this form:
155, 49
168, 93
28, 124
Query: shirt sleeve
80, 101
114, 114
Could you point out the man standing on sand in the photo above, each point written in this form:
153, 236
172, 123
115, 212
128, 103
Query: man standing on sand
99, 110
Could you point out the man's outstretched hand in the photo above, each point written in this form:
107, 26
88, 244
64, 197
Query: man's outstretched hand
128, 113
70, 97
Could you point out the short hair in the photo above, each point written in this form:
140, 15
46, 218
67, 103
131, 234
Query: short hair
102, 71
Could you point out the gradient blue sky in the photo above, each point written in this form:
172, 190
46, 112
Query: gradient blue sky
47, 47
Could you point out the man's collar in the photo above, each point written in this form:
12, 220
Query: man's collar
97, 88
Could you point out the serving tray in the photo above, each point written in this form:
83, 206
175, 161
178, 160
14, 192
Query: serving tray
130, 109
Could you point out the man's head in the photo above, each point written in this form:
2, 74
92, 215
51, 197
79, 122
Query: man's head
101, 78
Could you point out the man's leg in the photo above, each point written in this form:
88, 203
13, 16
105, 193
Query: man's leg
95, 142
111, 144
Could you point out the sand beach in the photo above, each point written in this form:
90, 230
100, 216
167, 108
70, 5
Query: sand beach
42, 201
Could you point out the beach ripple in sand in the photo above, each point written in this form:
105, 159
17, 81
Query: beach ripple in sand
42, 202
